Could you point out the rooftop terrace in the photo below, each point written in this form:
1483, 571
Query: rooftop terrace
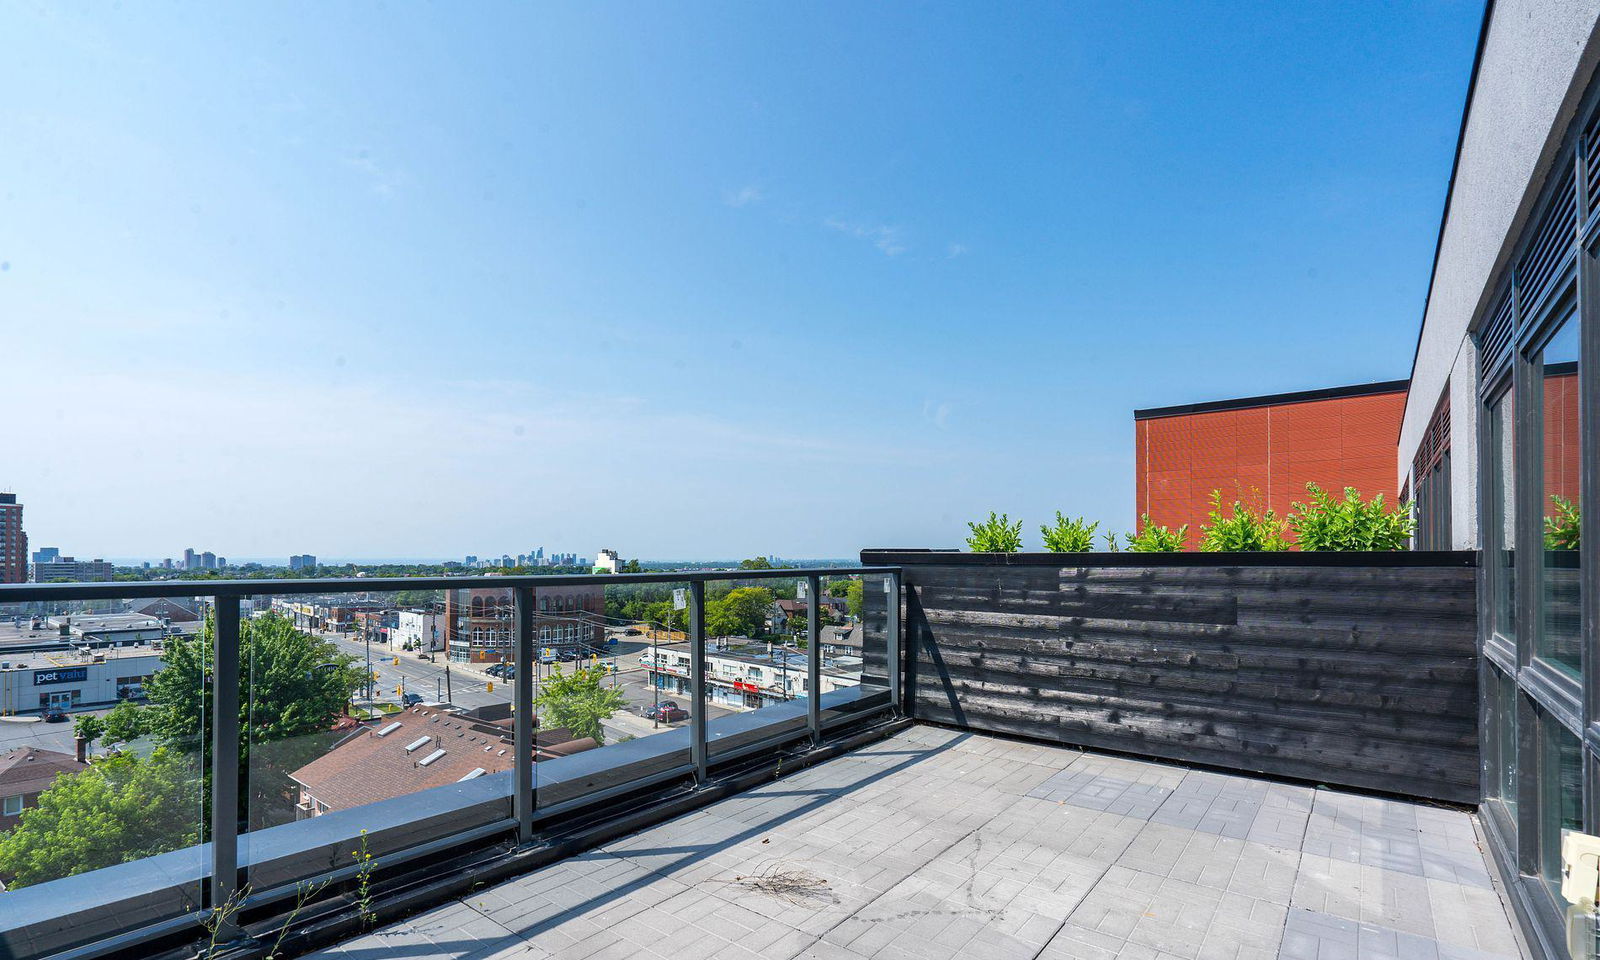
937, 844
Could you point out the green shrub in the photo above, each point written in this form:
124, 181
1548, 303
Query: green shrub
1069, 535
1351, 523
995, 535
1150, 538
1247, 528
1561, 531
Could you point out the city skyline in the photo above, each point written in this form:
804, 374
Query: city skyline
707, 282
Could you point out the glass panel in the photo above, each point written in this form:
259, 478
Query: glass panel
349, 706
1560, 795
1500, 742
611, 686
120, 812
1560, 596
756, 640
855, 649
1501, 533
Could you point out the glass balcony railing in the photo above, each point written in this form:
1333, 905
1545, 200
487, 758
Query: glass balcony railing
184, 752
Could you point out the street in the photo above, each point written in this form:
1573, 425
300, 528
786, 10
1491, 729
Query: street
469, 684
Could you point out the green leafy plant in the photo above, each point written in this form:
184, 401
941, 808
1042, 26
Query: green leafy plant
304, 893
1561, 530
364, 864
1150, 538
1069, 535
1351, 524
1242, 528
1112, 546
995, 535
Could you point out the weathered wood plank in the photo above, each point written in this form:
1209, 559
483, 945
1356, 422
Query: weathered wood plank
1352, 675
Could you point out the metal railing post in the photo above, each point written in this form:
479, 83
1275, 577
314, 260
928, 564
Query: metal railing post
891, 585
524, 797
697, 678
225, 762
814, 659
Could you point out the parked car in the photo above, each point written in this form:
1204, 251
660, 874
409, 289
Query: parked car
633, 632
496, 669
411, 700
55, 715
425, 656
667, 711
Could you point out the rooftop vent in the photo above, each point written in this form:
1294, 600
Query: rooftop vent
415, 744
430, 758
476, 772
391, 728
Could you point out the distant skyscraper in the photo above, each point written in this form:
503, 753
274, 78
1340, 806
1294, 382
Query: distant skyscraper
13, 542
189, 558
303, 561
208, 561
46, 554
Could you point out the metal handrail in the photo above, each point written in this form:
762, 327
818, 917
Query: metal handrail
224, 885
142, 589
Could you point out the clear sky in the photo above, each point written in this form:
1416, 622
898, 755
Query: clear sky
688, 280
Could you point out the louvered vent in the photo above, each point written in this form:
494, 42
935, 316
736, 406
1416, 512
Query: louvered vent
1494, 343
1551, 245
1436, 441
1591, 153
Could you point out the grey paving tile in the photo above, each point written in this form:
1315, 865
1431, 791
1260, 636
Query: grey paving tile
1253, 869
937, 845
1309, 935
1113, 784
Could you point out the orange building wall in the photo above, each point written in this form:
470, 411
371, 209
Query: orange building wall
1266, 452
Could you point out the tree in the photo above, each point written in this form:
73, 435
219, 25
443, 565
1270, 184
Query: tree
119, 810
290, 682
124, 723
579, 702
741, 613
756, 563
855, 598
632, 566
89, 727
839, 588
799, 625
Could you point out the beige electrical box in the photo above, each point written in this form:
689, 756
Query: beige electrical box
1580, 867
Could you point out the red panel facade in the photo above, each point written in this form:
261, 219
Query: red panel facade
1265, 453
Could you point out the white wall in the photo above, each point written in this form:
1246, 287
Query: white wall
1536, 61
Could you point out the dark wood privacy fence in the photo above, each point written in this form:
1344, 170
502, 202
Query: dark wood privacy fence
1349, 669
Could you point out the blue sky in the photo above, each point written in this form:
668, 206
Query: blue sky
697, 280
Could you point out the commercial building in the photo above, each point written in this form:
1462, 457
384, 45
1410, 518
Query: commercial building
417, 630
73, 678
748, 677
71, 568
13, 541
567, 621
1264, 450
1501, 428
607, 561
303, 561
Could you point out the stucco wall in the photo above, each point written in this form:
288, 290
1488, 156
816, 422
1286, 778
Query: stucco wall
1537, 58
